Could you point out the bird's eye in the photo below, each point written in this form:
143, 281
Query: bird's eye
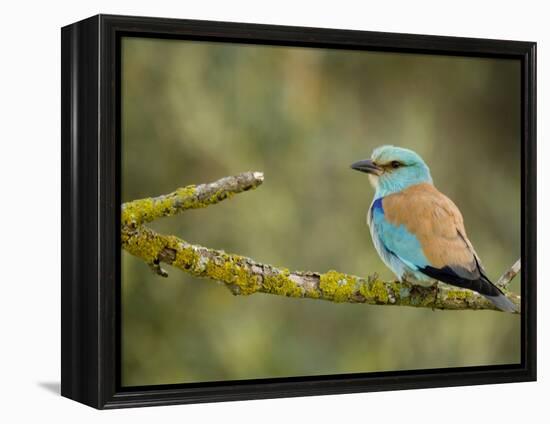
395, 164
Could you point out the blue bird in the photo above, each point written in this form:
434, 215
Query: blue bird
419, 232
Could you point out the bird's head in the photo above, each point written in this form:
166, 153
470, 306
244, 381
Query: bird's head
392, 169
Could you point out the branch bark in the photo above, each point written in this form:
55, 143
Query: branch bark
509, 275
244, 276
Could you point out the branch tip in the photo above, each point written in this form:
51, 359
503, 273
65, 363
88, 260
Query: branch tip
259, 176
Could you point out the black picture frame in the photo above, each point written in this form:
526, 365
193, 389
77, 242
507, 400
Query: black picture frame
91, 210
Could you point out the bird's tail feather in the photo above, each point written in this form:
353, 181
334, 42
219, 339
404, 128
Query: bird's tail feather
502, 302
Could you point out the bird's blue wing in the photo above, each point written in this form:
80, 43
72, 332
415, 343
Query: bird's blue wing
396, 244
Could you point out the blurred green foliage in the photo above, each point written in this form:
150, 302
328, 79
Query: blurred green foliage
193, 112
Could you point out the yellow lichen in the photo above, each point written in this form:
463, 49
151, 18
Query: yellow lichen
337, 286
146, 245
229, 271
218, 197
186, 258
141, 211
186, 192
458, 294
281, 284
375, 291
312, 293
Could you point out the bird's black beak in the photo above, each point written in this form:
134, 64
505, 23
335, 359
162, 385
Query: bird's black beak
367, 166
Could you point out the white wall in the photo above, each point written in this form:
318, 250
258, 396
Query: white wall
30, 169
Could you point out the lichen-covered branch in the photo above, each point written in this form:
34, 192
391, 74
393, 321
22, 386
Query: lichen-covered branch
138, 212
244, 276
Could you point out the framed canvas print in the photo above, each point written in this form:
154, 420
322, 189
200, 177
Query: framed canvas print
254, 211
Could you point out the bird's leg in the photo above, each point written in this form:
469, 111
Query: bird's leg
435, 287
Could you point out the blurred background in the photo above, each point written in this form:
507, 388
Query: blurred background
193, 112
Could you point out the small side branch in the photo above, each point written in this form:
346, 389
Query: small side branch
509, 275
244, 276
142, 211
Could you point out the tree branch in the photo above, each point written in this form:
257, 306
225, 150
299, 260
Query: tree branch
244, 276
509, 275
138, 212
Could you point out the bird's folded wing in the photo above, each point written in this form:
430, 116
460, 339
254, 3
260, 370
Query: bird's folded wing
437, 225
